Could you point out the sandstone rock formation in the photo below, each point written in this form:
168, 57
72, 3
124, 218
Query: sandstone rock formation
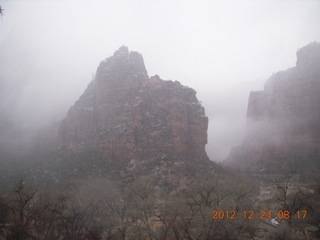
124, 114
283, 121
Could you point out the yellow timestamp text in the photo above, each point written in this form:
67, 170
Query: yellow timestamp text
302, 214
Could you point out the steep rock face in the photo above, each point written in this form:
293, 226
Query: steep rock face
283, 121
124, 114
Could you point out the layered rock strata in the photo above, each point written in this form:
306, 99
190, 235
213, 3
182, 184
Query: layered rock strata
125, 114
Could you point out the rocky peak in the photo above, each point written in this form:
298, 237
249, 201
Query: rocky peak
124, 114
309, 56
122, 52
120, 68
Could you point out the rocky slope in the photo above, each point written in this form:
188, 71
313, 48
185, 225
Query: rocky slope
283, 121
126, 115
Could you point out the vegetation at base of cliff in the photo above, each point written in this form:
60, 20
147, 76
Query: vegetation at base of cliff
165, 198
305, 168
56, 169
97, 209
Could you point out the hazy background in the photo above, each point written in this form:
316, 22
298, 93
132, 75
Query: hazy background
49, 52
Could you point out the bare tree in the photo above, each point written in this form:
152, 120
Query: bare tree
73, 219
23, 211
290, 202
118, 213
142, 195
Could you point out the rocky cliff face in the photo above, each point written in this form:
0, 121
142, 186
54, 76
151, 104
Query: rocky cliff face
284, 119
124, 114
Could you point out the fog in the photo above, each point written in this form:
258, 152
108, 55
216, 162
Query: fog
223, 49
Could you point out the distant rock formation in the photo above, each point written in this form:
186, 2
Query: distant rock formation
283, 121
124, 114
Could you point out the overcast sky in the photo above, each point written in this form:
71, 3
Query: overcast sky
222, 49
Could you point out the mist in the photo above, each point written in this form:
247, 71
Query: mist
223, 49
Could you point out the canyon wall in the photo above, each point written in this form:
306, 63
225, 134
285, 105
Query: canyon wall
283, 120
